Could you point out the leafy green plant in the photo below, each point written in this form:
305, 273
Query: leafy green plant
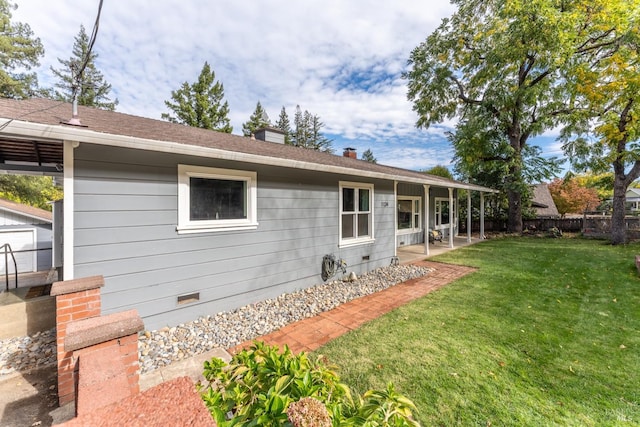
260, 385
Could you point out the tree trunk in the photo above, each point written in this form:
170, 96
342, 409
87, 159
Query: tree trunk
514, 224
618, 227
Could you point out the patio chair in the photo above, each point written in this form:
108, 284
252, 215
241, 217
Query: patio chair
435, 236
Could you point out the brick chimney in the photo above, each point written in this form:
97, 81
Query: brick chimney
350, 152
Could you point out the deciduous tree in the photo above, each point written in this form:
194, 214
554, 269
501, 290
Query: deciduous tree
20, 51
498, 66
35, 191
91, 88
439, 170
200, 104
606, 86
570, 197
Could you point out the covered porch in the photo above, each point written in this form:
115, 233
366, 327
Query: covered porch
435, 208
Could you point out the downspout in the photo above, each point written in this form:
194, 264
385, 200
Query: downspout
468, 216
451, 217
426, 219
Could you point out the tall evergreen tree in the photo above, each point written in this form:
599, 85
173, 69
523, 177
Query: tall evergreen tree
91, 87
284, 125
368, 156
200, 104
317, 140
257, 120
19, 52
307, 132
297, 133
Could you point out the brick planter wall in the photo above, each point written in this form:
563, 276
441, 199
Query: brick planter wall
105, 349
75, 300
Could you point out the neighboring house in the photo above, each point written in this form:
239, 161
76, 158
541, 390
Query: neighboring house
633, 199
542, 202
27, 230
184, 222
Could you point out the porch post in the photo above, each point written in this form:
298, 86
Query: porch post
68, 209
451, 217
426, 219
395, 218
457, 211
469, 216
481, 215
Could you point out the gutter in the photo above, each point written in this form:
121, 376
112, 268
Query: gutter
67, 133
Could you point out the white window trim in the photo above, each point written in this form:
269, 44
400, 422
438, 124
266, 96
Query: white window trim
438, 216
355, 241
186, 226
417, 229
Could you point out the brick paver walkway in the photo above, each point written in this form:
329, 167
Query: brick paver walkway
313, 332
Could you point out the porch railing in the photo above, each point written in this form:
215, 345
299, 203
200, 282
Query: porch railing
7, 251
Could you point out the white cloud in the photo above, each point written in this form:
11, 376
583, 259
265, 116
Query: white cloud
279, 52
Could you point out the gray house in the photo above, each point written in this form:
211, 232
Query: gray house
184, 222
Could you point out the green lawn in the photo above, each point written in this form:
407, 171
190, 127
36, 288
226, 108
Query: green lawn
546, 332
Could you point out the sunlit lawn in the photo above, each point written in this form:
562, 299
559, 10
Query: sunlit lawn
546, 332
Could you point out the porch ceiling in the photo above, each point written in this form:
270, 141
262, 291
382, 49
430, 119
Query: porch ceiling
30, 155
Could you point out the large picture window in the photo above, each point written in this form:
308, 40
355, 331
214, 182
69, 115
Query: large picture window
356, 213
409, 214
211, 199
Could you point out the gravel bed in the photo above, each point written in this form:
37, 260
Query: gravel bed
223, 330
27, 353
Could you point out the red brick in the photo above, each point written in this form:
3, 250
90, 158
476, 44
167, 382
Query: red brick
62, 318
84, 300
132, 370
62, 303
67, 310
129, 359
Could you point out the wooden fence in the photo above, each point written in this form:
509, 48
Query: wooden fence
596, 226
541, 224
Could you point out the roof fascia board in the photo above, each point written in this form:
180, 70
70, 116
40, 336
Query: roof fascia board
21, 213
68, 133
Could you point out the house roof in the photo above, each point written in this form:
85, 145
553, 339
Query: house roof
542, 201
25, 210
33, 131
633, 194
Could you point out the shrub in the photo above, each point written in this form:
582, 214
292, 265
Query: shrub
260, 387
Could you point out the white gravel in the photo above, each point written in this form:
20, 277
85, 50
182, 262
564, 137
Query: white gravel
223, 330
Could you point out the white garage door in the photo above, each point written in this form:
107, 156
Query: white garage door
19, 240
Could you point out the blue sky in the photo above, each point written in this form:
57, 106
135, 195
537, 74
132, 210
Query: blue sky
340, 60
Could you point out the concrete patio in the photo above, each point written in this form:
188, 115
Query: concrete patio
412, 253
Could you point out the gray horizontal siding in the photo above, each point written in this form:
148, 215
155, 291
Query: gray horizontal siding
125, 229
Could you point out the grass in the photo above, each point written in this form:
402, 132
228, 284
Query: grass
546, 332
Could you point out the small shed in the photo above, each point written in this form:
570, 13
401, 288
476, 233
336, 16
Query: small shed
27, 230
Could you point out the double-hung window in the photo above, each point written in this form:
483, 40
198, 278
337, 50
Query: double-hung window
212, 199
409, 214
442, 212
356, 213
